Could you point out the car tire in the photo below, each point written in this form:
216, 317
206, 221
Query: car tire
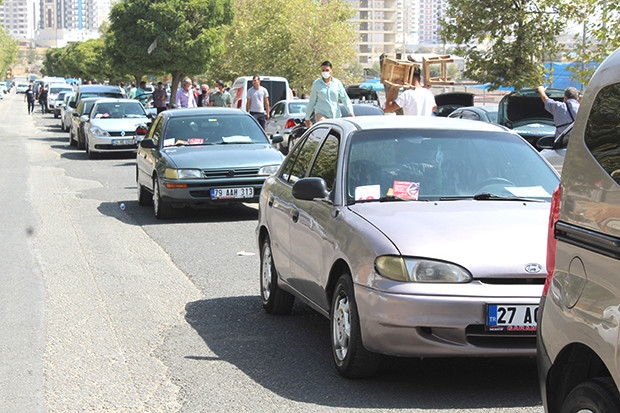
275, 300
145, 198
351, 359
598, 395
72, 141
89, 153
80, 142
161, 208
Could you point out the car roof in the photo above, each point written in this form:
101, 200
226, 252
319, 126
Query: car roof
108, 100
181, 112
419, 122
98, 88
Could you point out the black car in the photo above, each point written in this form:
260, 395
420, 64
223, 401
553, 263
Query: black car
524, 111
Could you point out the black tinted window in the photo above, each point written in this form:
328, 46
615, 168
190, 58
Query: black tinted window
276, 88
299, 161
326, 161
602, 136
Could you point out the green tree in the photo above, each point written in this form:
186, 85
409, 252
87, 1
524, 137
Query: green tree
600, 36
505, 42
8, 50
288, 38
179, 37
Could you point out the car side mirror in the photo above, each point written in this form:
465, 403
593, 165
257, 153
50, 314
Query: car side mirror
277, 138
72, 105
310, 188
148, 144
546, 142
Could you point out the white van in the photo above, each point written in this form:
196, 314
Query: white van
276, 86
52, 94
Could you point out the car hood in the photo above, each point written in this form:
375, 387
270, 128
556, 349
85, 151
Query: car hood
126, 124
489, 238
525, 106
222, 156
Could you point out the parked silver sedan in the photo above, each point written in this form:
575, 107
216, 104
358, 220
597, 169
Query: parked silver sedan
419, 237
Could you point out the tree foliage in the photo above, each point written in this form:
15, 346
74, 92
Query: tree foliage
288, 38
8, 50
505, 42
179, 37
600, 36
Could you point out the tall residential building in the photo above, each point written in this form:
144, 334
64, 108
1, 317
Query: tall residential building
395, 26
430, 12
54, 23
379, 24
66, 21
19, 18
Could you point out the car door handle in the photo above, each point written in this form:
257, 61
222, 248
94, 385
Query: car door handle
295, 215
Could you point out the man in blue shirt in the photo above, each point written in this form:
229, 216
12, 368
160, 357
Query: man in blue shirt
564, 113
326, 94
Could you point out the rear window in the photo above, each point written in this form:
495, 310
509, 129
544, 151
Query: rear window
601, 135
276, 88
109, 94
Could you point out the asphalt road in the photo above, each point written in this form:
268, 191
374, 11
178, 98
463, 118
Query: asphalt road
106, 309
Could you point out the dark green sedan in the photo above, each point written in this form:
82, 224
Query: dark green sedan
203, 157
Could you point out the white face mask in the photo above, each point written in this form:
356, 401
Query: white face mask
326, 75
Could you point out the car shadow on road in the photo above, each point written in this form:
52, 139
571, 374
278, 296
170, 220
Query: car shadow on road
291, 356
130, 212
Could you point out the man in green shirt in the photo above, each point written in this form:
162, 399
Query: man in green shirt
221, 98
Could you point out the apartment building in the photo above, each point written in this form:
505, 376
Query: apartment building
54, 23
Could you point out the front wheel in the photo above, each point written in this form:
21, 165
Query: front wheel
598, 395
275, 300
351, 359
161, 208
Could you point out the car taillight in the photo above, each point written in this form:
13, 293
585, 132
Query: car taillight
551, 241
290, 124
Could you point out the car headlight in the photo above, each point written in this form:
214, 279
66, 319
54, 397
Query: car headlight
268, 170
97, 131
183, 173
420, 270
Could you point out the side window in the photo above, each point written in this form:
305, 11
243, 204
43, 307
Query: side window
601, 135
278, 110
300, 159
327, 160
155, 131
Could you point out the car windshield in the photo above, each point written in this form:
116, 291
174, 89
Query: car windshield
212, 130
444, 165
118, 110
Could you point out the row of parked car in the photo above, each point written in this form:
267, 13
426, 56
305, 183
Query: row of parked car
425, 238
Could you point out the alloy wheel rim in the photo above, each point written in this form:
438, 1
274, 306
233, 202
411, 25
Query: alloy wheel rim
341, 326
266, 273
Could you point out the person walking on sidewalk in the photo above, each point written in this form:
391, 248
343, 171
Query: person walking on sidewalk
43, 99
29, 96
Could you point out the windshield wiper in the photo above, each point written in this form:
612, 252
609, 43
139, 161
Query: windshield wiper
485, 196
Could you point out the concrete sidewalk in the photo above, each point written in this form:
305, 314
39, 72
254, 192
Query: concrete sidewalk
90, 298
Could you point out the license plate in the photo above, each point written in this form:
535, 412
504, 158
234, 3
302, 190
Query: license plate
122, 142
512, 318
232, 193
